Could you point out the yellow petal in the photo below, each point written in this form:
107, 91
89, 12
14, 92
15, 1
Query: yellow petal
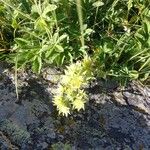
78, 104
61, 106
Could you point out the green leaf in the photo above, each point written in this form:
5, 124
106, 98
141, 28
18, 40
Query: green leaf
48, 50
98, 4
145, 64
51, 59
133, 74
21, 41
59, 48
62, 58
130, 3
146, 27
37, 64
88, 31
62, 37
34, 9
107, 48
55, 37
145, 76
40, 24
139, 35
48, 9
26, 5
14, 24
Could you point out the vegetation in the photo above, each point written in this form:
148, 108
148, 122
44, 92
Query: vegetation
108, 38
70, 94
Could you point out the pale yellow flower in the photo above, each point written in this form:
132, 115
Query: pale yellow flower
80, 100
87, 66
87, 63
61, 106
61, 90
76, 81
65, 79
78, 104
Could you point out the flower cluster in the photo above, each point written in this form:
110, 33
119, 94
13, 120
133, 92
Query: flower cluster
70, 94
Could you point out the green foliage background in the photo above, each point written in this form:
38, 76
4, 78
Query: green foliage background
113, 33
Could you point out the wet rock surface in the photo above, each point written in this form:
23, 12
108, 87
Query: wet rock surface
113, 119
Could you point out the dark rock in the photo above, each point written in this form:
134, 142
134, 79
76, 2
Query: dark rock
27, 124
113, 118
16, 134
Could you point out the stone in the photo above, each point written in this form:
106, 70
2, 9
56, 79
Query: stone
112, 119
118, 98
138, 102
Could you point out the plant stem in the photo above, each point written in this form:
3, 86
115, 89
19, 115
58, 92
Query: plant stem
80, 17
16, 81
